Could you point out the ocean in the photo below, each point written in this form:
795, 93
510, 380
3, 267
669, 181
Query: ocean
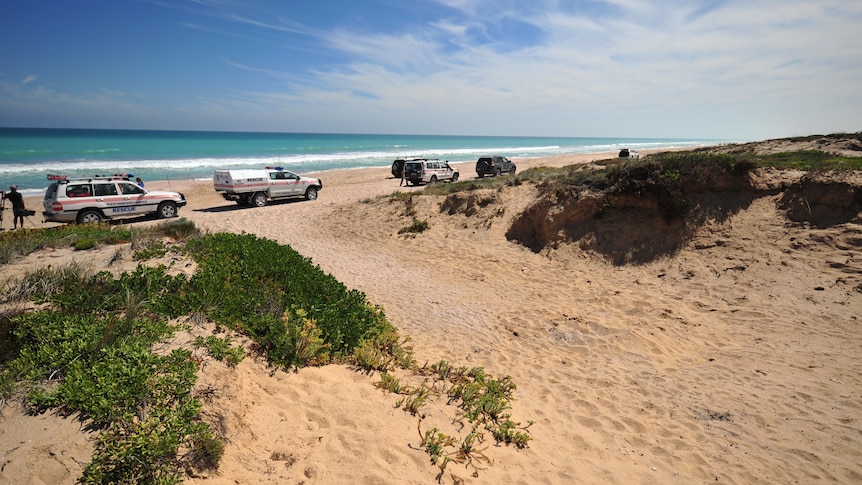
28, 155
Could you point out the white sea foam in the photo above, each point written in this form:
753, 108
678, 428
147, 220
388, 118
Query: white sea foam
31, 176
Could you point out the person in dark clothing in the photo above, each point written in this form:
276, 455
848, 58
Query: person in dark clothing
18, 209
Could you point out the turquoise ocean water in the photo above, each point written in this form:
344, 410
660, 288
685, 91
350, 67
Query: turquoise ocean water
28, 155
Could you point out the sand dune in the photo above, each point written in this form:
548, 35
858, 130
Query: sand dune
731, 360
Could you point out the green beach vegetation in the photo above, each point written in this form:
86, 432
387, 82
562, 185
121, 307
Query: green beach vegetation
81, 342
672, 178
672, 166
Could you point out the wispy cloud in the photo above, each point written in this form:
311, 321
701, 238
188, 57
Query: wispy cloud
485, 66
702, 54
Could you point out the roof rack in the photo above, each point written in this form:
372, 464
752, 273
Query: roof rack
66, 178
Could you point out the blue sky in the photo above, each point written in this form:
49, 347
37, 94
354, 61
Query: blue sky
721, 69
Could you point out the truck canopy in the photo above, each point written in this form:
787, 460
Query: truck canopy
244, 180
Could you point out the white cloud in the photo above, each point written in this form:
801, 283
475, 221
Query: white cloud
546, 67
759, 57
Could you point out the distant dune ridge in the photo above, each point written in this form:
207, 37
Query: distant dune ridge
720, 347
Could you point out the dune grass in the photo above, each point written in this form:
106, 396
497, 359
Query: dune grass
688, 162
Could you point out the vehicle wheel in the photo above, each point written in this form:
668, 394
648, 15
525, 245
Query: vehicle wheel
311, 193
455, 177
513, 170
167, 210
89, 216
433, 180
498, 172
481, 174
258, 199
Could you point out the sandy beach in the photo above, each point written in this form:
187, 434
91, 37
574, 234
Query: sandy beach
733, 360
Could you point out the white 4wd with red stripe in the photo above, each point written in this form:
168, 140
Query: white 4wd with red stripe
257, 187
93, 199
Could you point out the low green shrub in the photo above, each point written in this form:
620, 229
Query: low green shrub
84, 243
179, 229
89, 352
221, 349
156, 249
248, 283
383, 350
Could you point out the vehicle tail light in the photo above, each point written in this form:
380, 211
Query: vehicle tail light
57, 207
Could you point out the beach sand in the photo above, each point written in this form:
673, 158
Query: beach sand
733, 360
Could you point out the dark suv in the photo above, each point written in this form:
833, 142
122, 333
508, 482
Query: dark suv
494, 166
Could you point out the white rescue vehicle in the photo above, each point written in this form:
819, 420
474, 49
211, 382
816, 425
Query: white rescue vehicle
92, 199
257, 187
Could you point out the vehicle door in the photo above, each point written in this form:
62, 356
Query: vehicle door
413, 170
133, 199
433, 171
78, 196
50, 197
295, 184
79, 190
279, 185
446, 172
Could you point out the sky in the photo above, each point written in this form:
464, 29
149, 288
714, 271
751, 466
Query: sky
717, 69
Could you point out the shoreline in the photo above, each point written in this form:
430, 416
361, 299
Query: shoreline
525, 160
158, 155
371, 176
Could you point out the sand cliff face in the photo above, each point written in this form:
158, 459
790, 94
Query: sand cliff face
718, 347
636, 225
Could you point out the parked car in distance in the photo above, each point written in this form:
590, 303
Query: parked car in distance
626, 153
398, 165
92, 199
427, 171
494, 166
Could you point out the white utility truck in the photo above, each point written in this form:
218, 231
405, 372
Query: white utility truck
257, 187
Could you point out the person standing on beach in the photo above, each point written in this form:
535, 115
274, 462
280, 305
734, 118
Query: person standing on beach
140, 182
18, 209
